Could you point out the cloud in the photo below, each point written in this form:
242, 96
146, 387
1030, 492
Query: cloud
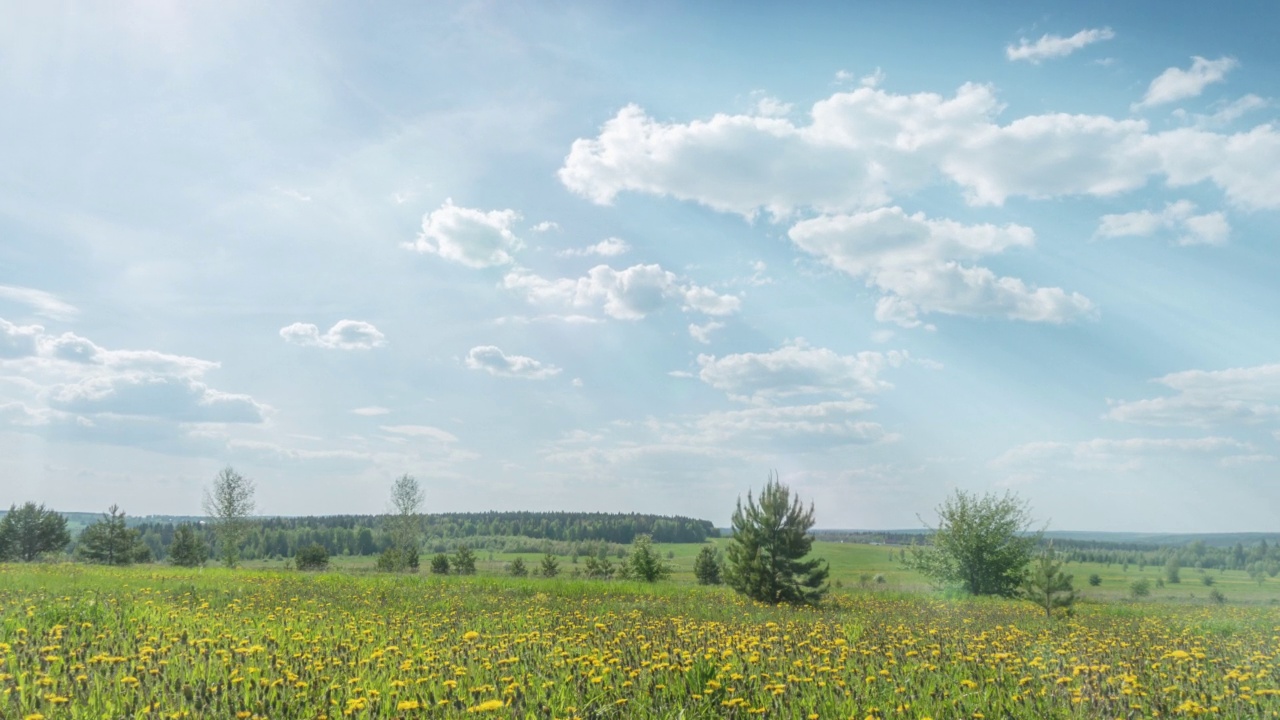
18, 341
545, 226
344, 335
918, 264
371, 411
474, 238
1110, 454
80, 391
796, 369
1205, 398
180, 399
495, 362
421, 431
1226, 113
702, 333
1177, 84
609, 247
629, 294
1054, 46
1207, 229
43, 303
863, 147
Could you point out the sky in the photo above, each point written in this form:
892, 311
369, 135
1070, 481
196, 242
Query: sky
634, 257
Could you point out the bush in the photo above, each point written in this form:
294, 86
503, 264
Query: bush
644, 563
1095, 580
516, 568
312, 557
397, 560
1217, 596
599, 568
982, 544
1206, 580
1140, 588
440, 564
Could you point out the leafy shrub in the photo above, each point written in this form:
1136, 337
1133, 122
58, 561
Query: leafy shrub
1140, 588
1095, 580
312, 557
516, 568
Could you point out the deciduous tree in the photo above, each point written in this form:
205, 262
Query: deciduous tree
229, 503
983, 544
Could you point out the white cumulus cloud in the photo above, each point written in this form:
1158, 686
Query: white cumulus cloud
1177, 84
920, 266
1205, 398
1056, 46
702, 333
609, 247
344, 335
495, 362
796, 369
863, 147
475, 238
629, 294
1178, 217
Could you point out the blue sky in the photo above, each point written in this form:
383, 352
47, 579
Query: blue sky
620, 258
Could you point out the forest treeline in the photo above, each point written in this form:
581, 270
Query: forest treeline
496, 531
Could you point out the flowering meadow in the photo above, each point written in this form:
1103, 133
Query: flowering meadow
148, 642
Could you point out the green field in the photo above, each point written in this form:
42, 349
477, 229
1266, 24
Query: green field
855, 566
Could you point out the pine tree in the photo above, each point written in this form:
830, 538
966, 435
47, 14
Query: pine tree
110, 541
187, 550
464, 561
1047, 586
770, 538
29, 531
706, 566
550, 566
517, 568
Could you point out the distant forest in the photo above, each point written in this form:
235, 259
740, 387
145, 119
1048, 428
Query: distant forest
564, 532
1241, 551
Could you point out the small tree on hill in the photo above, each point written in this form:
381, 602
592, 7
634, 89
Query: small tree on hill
644, 563
187, 550
312, 557
464, 561
30, 531
982, 544
769, 539
550, 566
1047, 586
706, 566
229, 503
1172, 571
110, 541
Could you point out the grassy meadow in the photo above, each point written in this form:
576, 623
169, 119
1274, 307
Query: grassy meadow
158, 642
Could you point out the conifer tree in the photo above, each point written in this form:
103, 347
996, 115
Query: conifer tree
706, 566
30, 531
110, 541
187, 550
1047, 586
770, 538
